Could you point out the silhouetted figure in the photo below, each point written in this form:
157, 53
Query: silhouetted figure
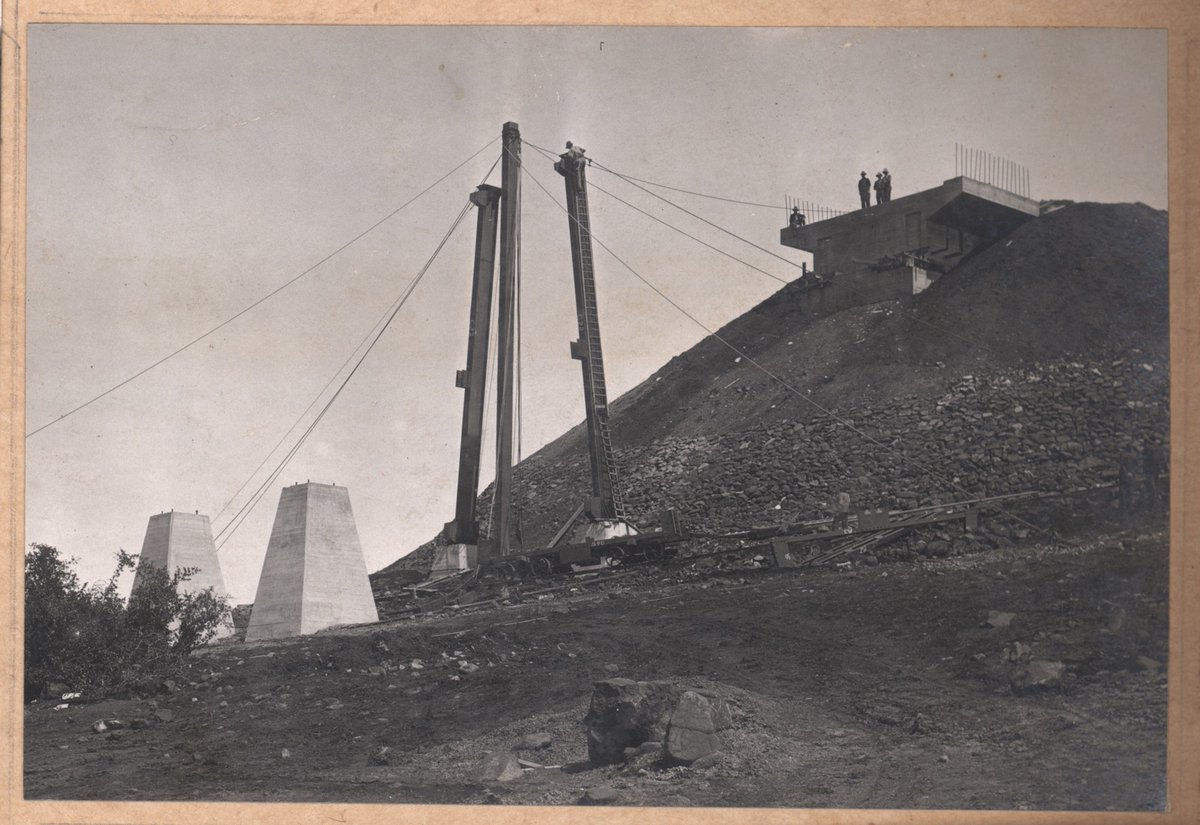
887, 186
878, 188
864, 190
796, 219
572, 161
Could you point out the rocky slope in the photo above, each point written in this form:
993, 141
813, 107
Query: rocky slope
1026, 367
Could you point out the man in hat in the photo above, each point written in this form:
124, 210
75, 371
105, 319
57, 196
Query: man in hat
887, 186
572, 161
796, 219
878, 188
864, 190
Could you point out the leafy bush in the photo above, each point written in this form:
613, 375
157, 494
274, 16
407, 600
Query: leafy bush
86, 638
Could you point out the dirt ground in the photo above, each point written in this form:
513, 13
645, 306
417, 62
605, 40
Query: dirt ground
878, 686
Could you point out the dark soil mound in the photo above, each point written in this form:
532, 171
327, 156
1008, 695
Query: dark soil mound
1085, 279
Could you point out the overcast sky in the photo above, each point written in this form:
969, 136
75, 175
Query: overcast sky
178, 173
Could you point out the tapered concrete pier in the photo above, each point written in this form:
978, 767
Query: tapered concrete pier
174, 540
314, 575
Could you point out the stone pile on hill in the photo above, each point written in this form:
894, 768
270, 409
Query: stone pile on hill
1054, 426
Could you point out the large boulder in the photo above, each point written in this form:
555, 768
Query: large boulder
624, 714
692, 731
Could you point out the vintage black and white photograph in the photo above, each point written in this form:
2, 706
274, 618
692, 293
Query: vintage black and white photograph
604, 416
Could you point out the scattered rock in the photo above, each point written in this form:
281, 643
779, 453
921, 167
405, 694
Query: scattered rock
1018, 652
711, 760
381, 756
285, 754
937, 548
139, 723
99, 727
601, 795
1038, 675
467, 667
169, 686
997, 618
164, 715
533, 742
500, 767
1116, 619
1151, 666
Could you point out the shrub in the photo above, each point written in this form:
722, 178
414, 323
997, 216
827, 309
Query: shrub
87, 639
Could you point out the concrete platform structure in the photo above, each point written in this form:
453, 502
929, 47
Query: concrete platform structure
938, 226
451, 559
314, 575
174, 540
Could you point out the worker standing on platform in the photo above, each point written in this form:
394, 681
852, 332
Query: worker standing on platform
878, 188
573, 159
864, 190
796, 219
887, 186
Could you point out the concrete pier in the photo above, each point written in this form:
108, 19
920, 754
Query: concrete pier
314, 575
174, 540
452, 559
